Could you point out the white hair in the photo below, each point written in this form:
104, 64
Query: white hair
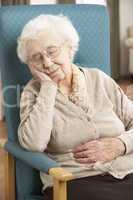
43, 23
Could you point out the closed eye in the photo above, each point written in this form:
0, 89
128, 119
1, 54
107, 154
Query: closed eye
53, 50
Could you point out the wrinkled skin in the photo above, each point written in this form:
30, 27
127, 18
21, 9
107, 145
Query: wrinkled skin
103, 149
48, 58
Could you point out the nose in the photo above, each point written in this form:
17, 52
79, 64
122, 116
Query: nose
47, 61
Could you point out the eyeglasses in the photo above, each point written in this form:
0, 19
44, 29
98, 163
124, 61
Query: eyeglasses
51, 52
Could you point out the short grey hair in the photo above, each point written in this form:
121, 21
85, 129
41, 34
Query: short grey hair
43, 23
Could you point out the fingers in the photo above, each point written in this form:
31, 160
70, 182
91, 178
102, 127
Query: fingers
87, 160
103, 150
49, 69
32, 68
86, 146
52, 72
80, 148
85, 154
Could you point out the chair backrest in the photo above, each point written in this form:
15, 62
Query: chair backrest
92, 24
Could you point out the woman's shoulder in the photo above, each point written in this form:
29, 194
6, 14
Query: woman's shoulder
92, 70
93, 73
97, 77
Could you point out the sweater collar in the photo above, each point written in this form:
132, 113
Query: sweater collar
79, 94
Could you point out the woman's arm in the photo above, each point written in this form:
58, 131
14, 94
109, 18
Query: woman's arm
127, 118
36, 115
107, 149
123, 108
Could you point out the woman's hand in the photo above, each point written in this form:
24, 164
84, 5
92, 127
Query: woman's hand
38, 74
45, 74
104, 149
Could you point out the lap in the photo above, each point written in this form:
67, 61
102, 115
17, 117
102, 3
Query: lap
98, 188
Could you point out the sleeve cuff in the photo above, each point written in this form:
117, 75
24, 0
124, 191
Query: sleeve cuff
127, 139
48, 89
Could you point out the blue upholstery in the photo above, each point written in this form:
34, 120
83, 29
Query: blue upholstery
39, 161
92, 23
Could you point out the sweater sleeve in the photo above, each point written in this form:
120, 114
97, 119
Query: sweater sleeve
36, 117
123, 108
127, 115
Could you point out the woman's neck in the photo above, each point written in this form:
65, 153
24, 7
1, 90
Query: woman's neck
67, 82
65, 86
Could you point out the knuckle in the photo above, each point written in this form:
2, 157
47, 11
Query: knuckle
85, 146
84, 154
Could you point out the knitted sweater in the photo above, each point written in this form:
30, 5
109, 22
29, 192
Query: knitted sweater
52, 123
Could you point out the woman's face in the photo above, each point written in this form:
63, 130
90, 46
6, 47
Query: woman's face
47, 53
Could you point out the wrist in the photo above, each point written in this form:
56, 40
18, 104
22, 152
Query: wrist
51, 82
122, 147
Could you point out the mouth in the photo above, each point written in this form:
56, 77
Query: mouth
51, 73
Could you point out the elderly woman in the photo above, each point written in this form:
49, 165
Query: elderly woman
79, 116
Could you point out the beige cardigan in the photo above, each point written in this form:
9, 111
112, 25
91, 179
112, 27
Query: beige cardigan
52, 123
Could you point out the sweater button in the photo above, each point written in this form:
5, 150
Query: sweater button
88, 118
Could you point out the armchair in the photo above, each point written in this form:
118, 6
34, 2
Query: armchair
91, 21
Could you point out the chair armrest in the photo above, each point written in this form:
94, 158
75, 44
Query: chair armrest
3, 141
60, 174
39, 161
